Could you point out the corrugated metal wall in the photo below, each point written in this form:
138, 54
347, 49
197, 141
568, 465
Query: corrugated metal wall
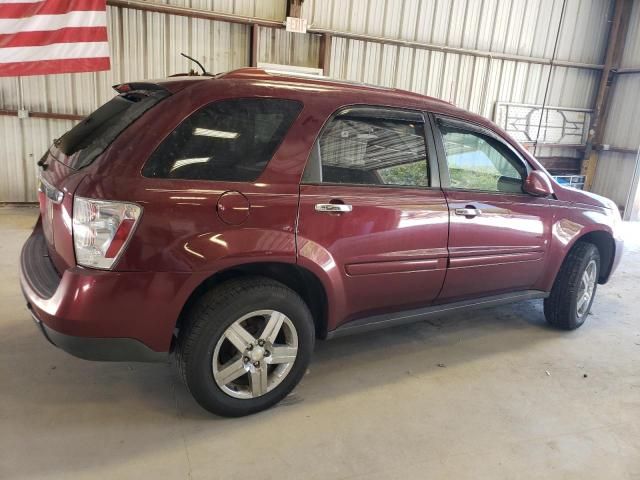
147, 45
474, 83
143, 45
613, 176
614, 171
516, 27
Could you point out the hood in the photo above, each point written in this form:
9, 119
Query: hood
581, 197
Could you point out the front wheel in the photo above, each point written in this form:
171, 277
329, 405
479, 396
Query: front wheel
246, 345
574, 289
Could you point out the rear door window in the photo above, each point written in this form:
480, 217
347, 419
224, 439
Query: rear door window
94, 134
228, 140
368, 146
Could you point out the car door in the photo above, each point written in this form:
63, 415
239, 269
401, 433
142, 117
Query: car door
498, 234
372, 218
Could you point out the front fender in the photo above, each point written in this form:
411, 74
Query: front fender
570, 224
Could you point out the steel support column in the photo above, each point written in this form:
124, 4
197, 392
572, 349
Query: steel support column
254, 45
324, 57
294, 8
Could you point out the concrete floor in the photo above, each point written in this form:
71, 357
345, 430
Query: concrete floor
493, 395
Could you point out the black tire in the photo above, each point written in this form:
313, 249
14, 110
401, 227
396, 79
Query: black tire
561, 307
210, 317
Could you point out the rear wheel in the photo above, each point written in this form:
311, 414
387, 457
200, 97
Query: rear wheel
246, 345
574, 289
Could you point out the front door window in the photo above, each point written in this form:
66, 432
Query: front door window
479, 162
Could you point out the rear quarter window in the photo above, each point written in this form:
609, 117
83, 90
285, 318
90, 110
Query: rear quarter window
228, 140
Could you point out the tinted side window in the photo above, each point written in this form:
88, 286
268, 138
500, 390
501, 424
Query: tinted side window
372, 151
229, 140
479, 162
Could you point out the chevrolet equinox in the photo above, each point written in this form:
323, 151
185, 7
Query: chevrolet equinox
231, 220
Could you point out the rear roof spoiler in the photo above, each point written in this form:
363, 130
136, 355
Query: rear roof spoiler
132, 86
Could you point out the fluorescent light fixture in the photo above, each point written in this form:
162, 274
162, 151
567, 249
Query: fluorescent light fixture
206, 132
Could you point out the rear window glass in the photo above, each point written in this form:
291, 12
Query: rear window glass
95, 133
228, 140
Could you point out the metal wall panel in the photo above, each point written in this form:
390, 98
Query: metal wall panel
269, 9
285, 48
474, 83
631, 53
614, 171
24, 142
613, 176
469, 82
147, 45
507, 26
143, 45
623, 116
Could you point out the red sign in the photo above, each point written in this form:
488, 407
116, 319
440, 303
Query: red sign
52, 36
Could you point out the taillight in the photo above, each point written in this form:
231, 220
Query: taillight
101, 229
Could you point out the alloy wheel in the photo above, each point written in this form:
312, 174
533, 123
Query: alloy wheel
255, 354
587, 287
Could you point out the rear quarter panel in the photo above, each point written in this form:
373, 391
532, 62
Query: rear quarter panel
180, 229
57, 217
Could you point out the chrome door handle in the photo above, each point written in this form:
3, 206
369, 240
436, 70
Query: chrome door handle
333, 207
468, 212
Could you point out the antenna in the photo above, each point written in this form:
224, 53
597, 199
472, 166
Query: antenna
204, 72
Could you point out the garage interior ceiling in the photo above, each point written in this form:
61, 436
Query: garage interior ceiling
473, 54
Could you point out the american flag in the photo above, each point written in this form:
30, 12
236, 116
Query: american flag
40, 37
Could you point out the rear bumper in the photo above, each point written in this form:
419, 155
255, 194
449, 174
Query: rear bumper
101, 349
102, 315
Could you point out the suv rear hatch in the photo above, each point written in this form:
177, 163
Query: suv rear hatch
63, 164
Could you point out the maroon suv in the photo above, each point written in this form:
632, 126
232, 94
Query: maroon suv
233, 219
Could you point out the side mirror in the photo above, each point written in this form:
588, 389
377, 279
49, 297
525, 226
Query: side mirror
538, 184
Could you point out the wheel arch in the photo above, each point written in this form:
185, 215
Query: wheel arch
299, 279
606, 246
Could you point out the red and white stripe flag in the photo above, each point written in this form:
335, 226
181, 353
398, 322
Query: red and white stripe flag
40, 37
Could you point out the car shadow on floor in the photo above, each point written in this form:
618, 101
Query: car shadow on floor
426, 346
50, 391
339, 367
